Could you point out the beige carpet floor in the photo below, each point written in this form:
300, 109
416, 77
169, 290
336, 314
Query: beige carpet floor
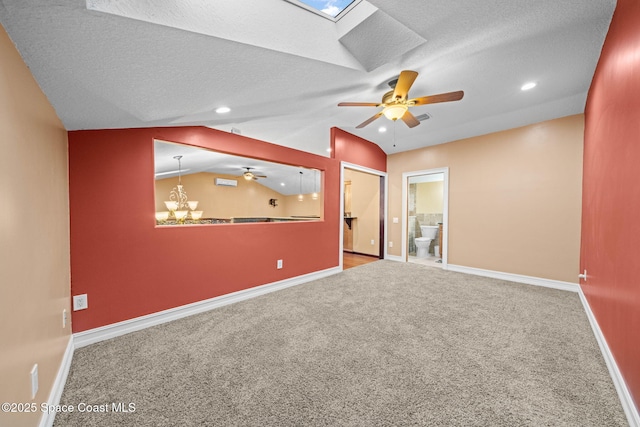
383, 344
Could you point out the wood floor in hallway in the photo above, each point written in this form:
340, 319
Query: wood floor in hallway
350, 259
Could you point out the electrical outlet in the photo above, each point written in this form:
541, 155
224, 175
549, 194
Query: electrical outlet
64, 318
34, 381
390, 244
80, 302
395, 220
279, 264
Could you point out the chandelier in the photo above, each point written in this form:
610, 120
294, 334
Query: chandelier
179, 206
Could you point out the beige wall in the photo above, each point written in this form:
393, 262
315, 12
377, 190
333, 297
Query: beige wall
34, 237
248, 199
429, 197
365, 207
514, 198
306, 207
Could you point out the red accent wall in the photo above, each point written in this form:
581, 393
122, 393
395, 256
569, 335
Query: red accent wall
130, 268
611, 193
353, 149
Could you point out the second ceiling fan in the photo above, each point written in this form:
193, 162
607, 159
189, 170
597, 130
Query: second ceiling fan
248, 175
396, 102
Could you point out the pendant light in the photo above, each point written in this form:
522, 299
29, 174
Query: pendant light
314, 196
300, 196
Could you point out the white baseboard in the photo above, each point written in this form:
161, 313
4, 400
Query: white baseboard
518, 278
393, 258
630, 410
58, 385
102, 333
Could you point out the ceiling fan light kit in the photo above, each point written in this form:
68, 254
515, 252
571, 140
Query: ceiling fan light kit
394, 112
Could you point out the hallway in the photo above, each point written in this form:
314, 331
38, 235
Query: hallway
350, 260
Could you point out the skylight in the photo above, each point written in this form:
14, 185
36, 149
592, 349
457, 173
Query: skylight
333, 8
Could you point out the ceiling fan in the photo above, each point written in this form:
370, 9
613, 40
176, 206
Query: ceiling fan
248, 175
396, 104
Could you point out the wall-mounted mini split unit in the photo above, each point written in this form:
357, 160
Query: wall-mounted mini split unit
226, 182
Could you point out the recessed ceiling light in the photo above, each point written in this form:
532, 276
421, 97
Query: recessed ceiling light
329, 150
528, 86
382, 129
282, 183
223, 110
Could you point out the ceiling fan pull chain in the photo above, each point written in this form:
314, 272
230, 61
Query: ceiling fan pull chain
394, 133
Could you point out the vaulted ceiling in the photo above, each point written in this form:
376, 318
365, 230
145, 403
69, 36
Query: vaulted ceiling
282, 70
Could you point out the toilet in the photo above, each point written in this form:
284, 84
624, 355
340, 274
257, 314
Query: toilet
422, 243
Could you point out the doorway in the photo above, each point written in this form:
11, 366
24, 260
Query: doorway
363, 205
425, 217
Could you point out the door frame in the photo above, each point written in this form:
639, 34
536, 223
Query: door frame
384, 185
445, 211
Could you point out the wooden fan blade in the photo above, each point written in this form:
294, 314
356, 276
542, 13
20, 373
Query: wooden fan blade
404, 83
410, 120
358, 104
366, 122
434, 99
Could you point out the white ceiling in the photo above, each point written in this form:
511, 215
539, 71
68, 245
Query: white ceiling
282, 70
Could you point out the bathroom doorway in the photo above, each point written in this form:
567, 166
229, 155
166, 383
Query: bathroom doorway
425, 217
363, 205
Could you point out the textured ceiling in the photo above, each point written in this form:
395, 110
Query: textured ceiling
282, 70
